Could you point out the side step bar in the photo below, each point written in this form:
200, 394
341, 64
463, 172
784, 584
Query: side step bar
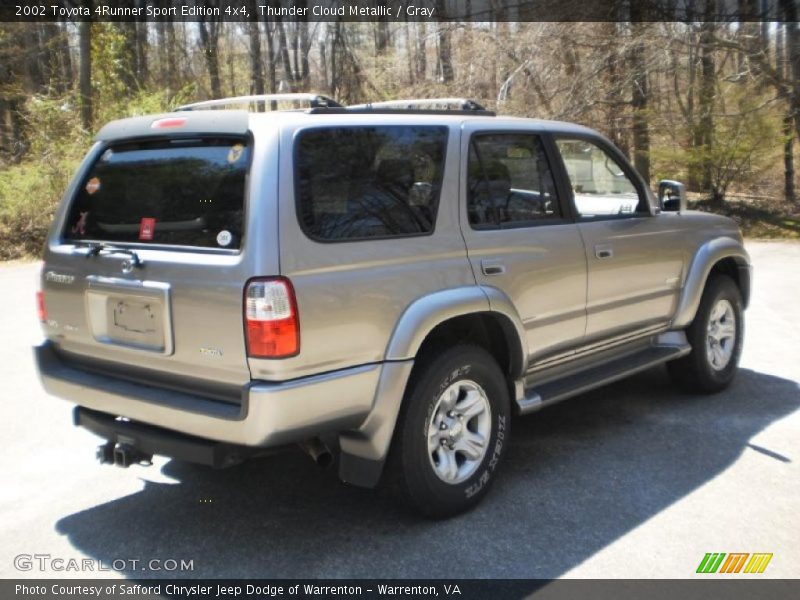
538, 396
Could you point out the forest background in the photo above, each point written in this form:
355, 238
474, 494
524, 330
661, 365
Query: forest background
713, 103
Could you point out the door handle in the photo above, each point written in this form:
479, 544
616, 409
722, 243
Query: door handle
603, 251
492, 267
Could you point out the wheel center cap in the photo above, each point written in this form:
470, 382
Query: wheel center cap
456, 430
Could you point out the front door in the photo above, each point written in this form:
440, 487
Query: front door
520, 237
635, 259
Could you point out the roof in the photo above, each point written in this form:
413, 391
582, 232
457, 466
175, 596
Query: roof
240, 121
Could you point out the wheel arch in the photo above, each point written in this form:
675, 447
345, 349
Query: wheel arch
443, 313
723, 256
478, 314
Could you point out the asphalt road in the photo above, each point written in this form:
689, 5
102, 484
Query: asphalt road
632, 480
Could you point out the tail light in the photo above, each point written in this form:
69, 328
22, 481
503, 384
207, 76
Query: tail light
40, 307
270, 312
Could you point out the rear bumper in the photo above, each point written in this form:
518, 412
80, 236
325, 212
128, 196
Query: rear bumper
270, 414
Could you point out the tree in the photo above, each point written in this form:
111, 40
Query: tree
444, 52
85, 85
781, 64
640, 97
209, 28
256, 63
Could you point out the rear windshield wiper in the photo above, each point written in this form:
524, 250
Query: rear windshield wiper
97, 248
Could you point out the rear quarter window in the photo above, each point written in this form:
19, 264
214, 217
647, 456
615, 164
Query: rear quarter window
176, 192
359, 183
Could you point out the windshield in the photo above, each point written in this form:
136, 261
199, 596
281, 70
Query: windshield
168, 192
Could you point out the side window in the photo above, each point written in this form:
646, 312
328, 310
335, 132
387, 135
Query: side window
509, 182
355, 183
599, 183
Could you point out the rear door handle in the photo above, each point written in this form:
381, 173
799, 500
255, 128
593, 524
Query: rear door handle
492, 267
603, 251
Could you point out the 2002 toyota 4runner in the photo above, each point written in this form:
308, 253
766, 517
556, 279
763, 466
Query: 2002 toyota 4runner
392, 280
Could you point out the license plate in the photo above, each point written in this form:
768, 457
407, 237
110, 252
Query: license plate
132, 321
131, 317
130, 314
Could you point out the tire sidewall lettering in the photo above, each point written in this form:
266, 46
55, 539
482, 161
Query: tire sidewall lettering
493, 461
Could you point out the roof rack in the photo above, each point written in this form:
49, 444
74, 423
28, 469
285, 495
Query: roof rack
427, 105
312, 100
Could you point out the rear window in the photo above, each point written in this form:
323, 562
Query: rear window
170, 192
369, 182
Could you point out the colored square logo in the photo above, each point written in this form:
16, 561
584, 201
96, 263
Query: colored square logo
147, 228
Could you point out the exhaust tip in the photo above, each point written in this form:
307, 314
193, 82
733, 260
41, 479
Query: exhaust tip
325, 460
318, 451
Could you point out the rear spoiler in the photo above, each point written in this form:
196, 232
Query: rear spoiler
234, 122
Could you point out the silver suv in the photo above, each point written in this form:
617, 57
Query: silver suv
385, 284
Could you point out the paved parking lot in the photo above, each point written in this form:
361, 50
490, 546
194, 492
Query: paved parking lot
632, 480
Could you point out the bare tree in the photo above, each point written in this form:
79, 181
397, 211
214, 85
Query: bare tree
444, 51
209, 28
256, 63
85, 85
640, 96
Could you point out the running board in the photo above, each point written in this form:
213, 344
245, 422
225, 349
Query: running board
550, 392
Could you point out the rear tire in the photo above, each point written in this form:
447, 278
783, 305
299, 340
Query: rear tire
716, 336
452, 431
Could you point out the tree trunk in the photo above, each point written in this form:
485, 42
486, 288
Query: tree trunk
4, 141
18, 143
789, 8
305, 48
381, 36
256, 64
640, 99
706, 99
615, 84
209, 38
65, 59
36, 54
296, 52
52, 40
284, 51
85, 76
173, 77
162, 76
409, 43
128, 68
781, 66
271, 70
334, 81
788, 159
421, 55
445, 53
141, 52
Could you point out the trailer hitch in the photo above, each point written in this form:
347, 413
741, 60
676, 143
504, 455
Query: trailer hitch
122, 455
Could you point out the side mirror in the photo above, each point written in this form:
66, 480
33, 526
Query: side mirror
671, 195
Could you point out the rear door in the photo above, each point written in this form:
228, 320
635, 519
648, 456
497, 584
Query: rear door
147, 260
520, 237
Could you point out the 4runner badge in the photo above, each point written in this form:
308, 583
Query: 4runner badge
59, 277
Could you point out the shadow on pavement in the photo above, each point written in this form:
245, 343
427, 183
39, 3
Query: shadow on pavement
578, 476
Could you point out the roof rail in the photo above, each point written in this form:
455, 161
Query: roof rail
312, 100
436, 105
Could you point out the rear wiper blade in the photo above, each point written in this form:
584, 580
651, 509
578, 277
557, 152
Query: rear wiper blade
97, 248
